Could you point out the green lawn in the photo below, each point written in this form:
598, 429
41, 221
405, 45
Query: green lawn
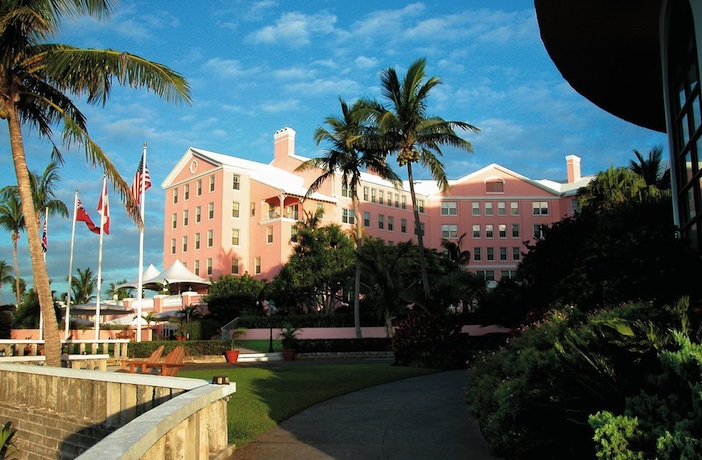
266, 396
261, 346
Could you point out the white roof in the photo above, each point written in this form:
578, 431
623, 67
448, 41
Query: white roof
150, 272
176, 273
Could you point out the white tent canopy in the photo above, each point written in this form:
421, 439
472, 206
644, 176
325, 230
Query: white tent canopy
129, 320
150, 272
175, 275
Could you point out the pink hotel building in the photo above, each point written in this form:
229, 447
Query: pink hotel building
228, 215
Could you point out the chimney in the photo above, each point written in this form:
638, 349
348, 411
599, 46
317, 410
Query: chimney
284, 140
573, 167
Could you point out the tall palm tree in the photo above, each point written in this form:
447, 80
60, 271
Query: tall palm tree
350, 151
43, 187
37, 81
12, 220
83, 286
454, 250
416, 137
5, 276
648, 168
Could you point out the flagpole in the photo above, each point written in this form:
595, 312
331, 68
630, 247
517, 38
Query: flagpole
140, 287
46, 233
99, 274
70, 267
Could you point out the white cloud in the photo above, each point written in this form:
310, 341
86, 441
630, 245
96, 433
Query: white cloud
364, 62
295, 29
281, 106
320, 86
226, 68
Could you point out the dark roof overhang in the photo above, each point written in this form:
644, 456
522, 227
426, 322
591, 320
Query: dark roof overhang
608, 50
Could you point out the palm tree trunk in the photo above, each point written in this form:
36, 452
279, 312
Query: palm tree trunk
418, 231
357, 279
15, 238
52, 343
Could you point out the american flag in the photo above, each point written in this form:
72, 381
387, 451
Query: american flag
44, 238
142, 170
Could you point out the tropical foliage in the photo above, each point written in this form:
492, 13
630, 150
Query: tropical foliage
12, 220
37, 81
5, 275
83, 286
230, 296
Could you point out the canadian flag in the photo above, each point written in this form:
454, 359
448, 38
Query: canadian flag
103, 209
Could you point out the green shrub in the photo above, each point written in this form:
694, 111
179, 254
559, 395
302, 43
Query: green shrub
343, 345
429, 340
192, 347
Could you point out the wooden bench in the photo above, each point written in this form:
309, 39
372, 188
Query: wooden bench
172, 363
144, 364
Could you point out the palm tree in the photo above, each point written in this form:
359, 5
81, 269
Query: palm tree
416, 137
454, 251
5, 275
83, 286
113, 290
37, 80
43, 187
12, 220
648, 168
611, 188
350, 152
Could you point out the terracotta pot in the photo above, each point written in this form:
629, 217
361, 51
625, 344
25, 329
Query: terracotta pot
181, 338
288, 355
231, 355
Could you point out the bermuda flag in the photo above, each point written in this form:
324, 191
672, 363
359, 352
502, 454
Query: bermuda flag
82, 216
44, 239
142, 172
106, 216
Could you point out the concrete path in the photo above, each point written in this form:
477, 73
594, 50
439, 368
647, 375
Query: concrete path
419, 418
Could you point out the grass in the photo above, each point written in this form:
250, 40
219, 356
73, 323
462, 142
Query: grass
261, 346
266, 396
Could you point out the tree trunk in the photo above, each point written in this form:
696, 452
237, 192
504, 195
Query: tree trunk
52, 343
15, 239
418, 231
357, 279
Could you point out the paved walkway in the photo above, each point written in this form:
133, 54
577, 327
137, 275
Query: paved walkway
419, 418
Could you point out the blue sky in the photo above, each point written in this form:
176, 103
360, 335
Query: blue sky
257, 66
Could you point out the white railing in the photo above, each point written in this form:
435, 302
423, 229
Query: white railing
29, 347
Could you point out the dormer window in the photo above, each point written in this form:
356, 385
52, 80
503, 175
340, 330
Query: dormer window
496, 185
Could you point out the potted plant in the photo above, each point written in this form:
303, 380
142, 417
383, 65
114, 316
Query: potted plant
232, 355
288, 336
7, 446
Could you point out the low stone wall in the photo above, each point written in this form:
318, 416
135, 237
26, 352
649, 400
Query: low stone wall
61, 413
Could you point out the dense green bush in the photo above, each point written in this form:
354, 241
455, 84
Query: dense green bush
533, 398
342, 319
429, 340
343, 345
192, 347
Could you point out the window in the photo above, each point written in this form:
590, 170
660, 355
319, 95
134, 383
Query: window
513, 208
502, 230
174, 220
381, 197
320, 210
539, 231
196, 267
503, 254
253, 209
477, 256
293, 233
475, 208
507, 274
420, 205
272, 211
397, 200
175, 195
185, 218
197, 241
389, 198
185, 244
488, 208
198, 214
198, 188
494, 186
236, 182
366, 219
186, 192
365, 193
257, 265
212, 183
292, 212
347, 216
489, 232
235, 265
501, 209
404, 202
345, 190
391, 223
269, 234
449, 208
403, 225
235, 237
516, 254
374, 193
490, 254
210, 211
210, 238
209, 266
476, 230
381, 222
539, 208
489, 275
421, 229
235, 209
515, 230
449, 231
173, 246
